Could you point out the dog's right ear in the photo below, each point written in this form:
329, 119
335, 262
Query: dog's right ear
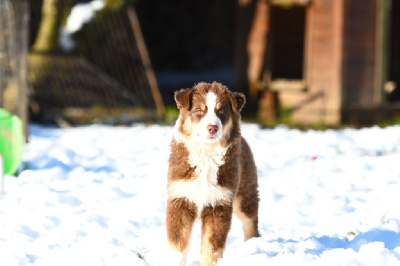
238, 101
183, 98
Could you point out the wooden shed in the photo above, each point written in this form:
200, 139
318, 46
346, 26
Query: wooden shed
323, 61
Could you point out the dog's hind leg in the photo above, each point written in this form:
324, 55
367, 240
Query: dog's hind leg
181, 215
247, 212
216, 222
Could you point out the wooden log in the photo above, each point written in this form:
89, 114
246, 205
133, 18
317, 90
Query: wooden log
256, 45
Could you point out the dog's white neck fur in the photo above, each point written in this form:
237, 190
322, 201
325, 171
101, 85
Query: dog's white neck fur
202, 189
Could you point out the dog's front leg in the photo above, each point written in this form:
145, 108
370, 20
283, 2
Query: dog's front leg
181, 215
216, 222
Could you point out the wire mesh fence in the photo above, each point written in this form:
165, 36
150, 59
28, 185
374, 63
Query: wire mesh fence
102, 68
94, 61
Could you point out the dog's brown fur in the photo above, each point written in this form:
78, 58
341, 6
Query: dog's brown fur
236, 175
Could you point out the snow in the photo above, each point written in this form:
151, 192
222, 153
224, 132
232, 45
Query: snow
80, 14
96, 195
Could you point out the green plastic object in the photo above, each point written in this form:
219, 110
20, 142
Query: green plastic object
11, 141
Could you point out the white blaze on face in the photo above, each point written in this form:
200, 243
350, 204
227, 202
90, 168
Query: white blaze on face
210, 118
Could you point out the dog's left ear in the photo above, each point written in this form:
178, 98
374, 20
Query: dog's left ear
183, 98
238, 101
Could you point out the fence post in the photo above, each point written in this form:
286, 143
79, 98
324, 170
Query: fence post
14, 35
137, 32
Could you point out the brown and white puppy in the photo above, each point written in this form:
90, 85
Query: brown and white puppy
211, 171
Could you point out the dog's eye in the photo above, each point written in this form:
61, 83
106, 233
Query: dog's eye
199, 111
221, 112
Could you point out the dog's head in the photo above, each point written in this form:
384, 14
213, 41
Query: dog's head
209, 112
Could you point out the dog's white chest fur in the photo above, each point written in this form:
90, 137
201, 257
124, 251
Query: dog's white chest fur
202, 189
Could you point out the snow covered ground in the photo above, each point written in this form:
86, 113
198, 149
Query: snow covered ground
96, 195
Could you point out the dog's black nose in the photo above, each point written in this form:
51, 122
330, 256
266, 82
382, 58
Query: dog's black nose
212, 129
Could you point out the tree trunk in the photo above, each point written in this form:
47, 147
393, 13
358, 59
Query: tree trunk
47, 37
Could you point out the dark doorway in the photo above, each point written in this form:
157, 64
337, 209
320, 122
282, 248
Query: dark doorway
287, 31
394, 53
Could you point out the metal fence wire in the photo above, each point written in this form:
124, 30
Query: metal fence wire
104, 71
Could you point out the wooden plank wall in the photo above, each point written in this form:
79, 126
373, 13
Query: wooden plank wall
359, 58
323, 61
